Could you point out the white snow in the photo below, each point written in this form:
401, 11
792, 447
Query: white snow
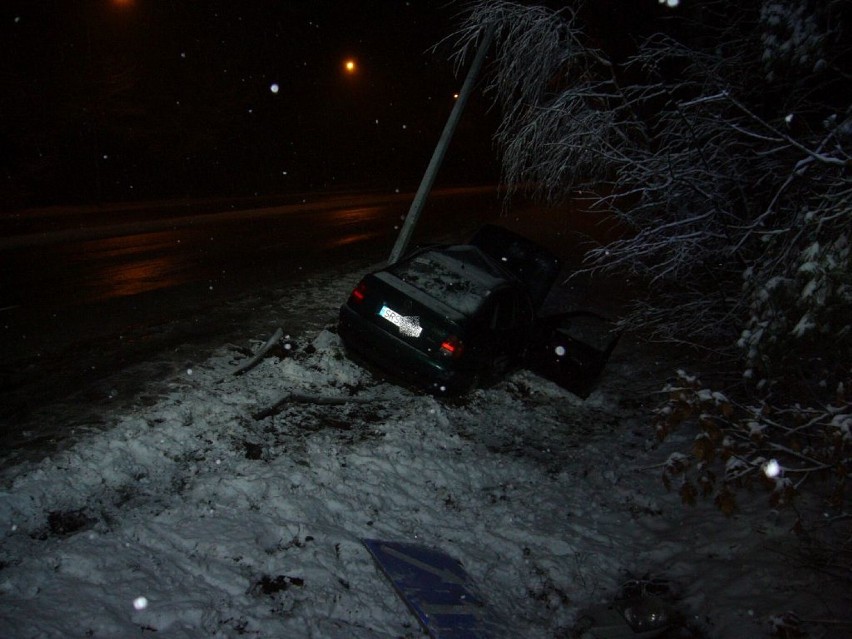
186, 517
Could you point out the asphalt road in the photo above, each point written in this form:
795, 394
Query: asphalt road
86, 292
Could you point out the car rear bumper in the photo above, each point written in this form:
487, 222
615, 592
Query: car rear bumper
398, 358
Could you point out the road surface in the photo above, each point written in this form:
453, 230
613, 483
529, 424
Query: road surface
88, 291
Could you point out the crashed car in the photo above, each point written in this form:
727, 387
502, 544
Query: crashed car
449, 318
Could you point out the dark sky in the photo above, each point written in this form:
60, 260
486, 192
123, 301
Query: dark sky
137, 99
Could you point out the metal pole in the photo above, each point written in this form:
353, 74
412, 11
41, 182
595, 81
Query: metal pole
440, 150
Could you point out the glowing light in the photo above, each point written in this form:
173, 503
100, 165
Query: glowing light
123, 3
274, 87
350, 66
772, 468
560, 351
140, 603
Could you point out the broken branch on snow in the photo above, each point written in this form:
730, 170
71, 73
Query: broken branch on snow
255, 360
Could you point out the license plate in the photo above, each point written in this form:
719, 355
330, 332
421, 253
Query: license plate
408, 325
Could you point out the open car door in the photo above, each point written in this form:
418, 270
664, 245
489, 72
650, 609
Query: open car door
571, 349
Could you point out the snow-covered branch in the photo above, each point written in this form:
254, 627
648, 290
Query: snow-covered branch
722, 147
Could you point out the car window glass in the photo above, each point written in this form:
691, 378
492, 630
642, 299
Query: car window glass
524, 311
504, 313
534, 265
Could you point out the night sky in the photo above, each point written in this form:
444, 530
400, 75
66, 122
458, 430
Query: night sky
107, 100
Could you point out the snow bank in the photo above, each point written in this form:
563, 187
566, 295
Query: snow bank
192, 519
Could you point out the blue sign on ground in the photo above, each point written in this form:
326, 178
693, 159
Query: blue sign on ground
435, 587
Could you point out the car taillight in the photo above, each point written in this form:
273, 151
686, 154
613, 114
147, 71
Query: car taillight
452, 347
359, 293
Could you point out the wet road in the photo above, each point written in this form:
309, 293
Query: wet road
60, 257
86, 291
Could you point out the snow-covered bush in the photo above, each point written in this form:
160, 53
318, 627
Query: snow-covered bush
721, 140
755, 444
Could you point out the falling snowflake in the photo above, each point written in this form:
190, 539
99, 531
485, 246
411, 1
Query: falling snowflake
772, 468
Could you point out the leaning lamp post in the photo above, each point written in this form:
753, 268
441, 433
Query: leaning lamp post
440, 150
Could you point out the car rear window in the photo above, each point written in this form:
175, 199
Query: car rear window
531, 263
459, 278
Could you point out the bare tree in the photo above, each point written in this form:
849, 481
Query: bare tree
722, 144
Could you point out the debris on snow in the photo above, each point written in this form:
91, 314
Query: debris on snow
185, 516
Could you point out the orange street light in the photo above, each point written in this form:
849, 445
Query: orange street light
350, 66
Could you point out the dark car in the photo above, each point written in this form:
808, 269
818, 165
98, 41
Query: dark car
446, 318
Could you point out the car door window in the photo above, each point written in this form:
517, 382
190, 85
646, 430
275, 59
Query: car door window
524, 311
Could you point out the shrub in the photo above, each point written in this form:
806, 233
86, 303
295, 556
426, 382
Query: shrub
720, 140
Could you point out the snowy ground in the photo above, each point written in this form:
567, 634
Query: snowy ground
233, 526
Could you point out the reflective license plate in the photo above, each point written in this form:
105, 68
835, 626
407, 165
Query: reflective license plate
408, 325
